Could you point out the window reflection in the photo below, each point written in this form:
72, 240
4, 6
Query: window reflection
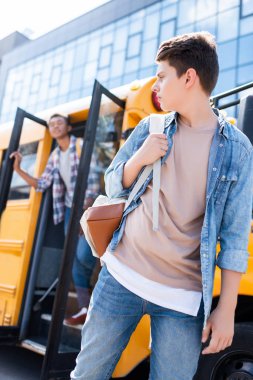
19, 188
118, 61
93, 49
76, 79
36, 80
186, 12
132, 65
245, 53
209, 25
245, 74
55, 75
148, 52
169, 13
225, 4
167, 30
227, 53
226, 81
246, 25
152, 23
205, 8
246, 7
136, 26
105, 56
68, 60
90, 71
103, 74
228, 25
120, 41
134, 44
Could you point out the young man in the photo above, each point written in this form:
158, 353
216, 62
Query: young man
205, 193
61, 172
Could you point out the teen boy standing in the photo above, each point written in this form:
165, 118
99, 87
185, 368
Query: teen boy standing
61, 172
206, 192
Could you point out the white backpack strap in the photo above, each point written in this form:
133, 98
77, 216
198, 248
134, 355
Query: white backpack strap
144, 175
157, 123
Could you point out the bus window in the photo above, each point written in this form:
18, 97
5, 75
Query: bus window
108, 136
19, 188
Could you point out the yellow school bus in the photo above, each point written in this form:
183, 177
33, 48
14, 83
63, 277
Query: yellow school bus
36, 290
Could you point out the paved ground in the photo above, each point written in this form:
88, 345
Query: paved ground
19, 364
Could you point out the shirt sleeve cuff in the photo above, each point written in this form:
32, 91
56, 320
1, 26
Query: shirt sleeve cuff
39, 187
114, 187
233, 259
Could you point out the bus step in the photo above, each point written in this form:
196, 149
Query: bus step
33, 346
70, 336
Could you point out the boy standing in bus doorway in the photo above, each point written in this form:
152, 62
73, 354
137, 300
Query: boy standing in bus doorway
61, 172
205, 193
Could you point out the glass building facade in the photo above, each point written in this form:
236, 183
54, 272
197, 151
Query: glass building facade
124, 50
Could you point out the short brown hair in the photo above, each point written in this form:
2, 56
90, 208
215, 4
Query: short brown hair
66, 119
192, 50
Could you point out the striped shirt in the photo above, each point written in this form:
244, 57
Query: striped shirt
51, 175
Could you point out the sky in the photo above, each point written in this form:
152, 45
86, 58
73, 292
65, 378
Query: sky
37, 17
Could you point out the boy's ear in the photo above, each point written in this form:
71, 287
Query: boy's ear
190, 77
69, 128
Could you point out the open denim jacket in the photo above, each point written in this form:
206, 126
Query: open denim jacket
228, 196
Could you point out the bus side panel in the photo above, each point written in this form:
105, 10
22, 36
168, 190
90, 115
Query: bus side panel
17, 229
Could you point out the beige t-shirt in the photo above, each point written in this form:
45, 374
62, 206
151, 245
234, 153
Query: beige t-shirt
171, 256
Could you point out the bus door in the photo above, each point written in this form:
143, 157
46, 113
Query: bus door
102, 134
19, 209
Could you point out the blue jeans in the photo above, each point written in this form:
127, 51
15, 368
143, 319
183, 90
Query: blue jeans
113, 316
83, 265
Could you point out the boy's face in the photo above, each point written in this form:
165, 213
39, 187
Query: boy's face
169, 87
58, 127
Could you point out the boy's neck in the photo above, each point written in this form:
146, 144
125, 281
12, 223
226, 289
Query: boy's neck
198, 114
63, 142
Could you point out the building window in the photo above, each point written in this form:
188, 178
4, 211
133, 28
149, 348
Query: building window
245, 74
118, 62
90, 71
76, 79
205, 8
120, 41
169, 13
246, 26
149, 50
245, 54
226, 81
187, 11
227, 53
134, 45
103, 74
167, 30
55, 75
136, 26
36, 81
246, 8
226, 4
17, 90
208, 24
132, 65
152, 24
228, 25
93, 49
105, 56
